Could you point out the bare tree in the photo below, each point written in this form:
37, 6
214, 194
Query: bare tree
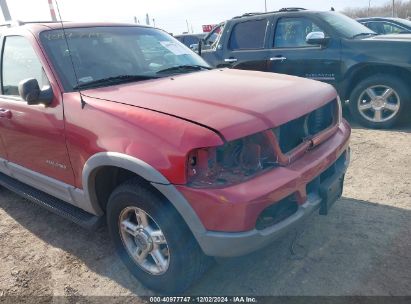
402, 9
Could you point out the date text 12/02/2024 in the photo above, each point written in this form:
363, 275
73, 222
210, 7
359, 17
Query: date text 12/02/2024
235, 299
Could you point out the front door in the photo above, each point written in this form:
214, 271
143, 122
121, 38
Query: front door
291, 54
33, 134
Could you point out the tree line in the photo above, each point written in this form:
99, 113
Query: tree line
402, 9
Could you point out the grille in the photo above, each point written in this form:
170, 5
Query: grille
291, 134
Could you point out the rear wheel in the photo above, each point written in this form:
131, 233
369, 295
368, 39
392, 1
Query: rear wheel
152, 240
380, 101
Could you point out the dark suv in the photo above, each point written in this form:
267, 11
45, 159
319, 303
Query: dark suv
372, 72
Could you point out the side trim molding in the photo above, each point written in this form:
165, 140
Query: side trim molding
119, 160
51, 186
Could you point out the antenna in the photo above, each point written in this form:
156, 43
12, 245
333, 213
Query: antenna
83, 103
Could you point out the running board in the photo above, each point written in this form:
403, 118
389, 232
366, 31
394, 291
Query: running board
52, 204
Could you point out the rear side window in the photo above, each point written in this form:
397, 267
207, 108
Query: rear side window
248, 35
20, 62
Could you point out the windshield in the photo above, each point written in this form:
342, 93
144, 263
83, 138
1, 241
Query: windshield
346, 26
404, 21
107, 52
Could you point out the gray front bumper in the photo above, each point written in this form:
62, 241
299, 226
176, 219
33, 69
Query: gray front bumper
227, 244
224, 244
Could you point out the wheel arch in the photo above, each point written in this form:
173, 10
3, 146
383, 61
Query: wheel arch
362, 71
101, 168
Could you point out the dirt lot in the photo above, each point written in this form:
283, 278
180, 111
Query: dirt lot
362, 248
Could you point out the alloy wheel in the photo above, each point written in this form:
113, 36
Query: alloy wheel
144, 240
379, 103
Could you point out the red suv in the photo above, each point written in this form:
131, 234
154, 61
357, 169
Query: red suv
124, 123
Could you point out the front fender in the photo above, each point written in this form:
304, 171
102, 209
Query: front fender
146, 171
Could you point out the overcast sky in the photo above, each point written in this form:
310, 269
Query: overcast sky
170, 15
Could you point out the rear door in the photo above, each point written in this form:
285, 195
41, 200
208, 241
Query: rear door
246, 45
290, 53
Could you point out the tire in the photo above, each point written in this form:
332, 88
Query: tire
186, 261
379, 112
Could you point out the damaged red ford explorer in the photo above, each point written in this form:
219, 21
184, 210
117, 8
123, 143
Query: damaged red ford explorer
124, 124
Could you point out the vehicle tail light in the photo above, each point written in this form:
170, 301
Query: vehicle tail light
232, 163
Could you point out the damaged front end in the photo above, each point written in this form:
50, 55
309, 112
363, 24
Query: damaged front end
243, 159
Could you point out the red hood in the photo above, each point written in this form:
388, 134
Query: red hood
235, 103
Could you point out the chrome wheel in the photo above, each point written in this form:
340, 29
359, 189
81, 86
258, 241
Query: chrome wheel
144, 241
379, 103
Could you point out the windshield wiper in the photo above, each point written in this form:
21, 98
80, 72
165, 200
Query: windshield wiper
363, 34
113, 80
184, 68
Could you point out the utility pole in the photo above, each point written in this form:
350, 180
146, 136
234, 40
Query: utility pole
188, 27
52, 11
5, 10
265, 4
369, 8
393, 8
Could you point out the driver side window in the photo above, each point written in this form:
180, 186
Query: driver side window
292, 32
20, 62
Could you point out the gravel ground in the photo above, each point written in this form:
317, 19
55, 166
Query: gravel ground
362, 248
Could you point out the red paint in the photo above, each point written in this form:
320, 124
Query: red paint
160, 140
236, 208
161, 121
234, 102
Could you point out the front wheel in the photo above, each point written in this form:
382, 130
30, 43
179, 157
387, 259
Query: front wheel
379, 101
152, 240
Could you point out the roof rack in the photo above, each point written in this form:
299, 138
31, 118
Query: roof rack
292, 9
285, 9
11, 23
249, 14
14, 23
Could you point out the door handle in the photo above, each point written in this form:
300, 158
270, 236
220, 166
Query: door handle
230, 60
5, 113
279, 58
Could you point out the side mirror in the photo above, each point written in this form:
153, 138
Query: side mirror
316, 38
30, 91
194, 47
